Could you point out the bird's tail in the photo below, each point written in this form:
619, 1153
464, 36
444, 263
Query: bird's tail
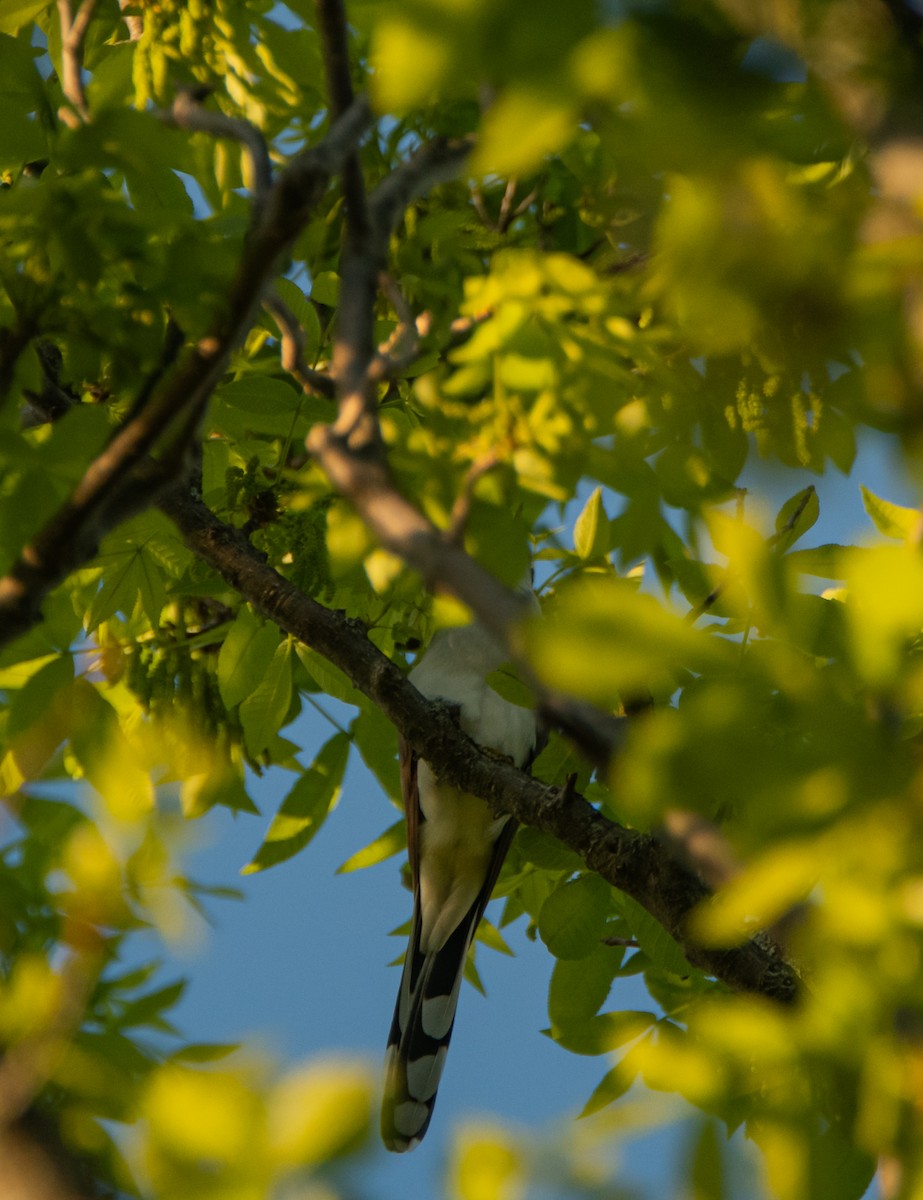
421, 1029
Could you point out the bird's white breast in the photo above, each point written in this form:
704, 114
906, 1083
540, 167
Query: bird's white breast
459, 831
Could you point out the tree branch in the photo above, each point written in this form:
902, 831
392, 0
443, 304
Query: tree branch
187, 113
435, 162
362, 259
73, 32
402, 347
134, 25
638, 864
292, 345
36, 1166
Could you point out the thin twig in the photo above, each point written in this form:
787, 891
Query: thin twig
461, 509
525, 203
334, 33
135, 25
401, 348
73, 32
462, 328
352, 455
172, 344
188, 113
292, 349
363, 261
477, 199
438, 161
506, 205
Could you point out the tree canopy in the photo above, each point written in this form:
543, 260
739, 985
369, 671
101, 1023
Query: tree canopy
316, 328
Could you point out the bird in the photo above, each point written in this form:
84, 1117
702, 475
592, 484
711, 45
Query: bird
456, 848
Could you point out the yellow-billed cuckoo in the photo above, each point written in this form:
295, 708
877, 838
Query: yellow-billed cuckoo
456, 848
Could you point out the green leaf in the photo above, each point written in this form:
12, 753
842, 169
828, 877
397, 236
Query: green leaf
306, 315
14, 14
507, 684
613, 1086
386, 845
591, 529
579, 987
52, 821
409, 63
138, 558
148, 1010
305, 808
796, 516
573, 918
127, 579
826, 562
705, 1167
329, 678
604, 1033
662, 949
244, 654
490, 935
558, 761
521, 128
891, 520
263, 712
204, 1052
325, 288
376, 740
604, 638
257, 404
34, 698
546, 851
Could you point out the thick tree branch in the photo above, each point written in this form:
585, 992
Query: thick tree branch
636, 863
98, 501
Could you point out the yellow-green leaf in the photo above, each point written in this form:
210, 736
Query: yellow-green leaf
591, 529
892, 520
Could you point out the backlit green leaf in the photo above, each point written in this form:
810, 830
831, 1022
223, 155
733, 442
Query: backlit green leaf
591, 529
305, 808
892, 520
245, 653
387, 844
573, 918
796, 516
263, 711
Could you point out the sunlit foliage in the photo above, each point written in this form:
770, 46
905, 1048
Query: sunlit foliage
689, 237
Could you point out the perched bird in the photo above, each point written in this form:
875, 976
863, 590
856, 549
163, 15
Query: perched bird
456, 848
